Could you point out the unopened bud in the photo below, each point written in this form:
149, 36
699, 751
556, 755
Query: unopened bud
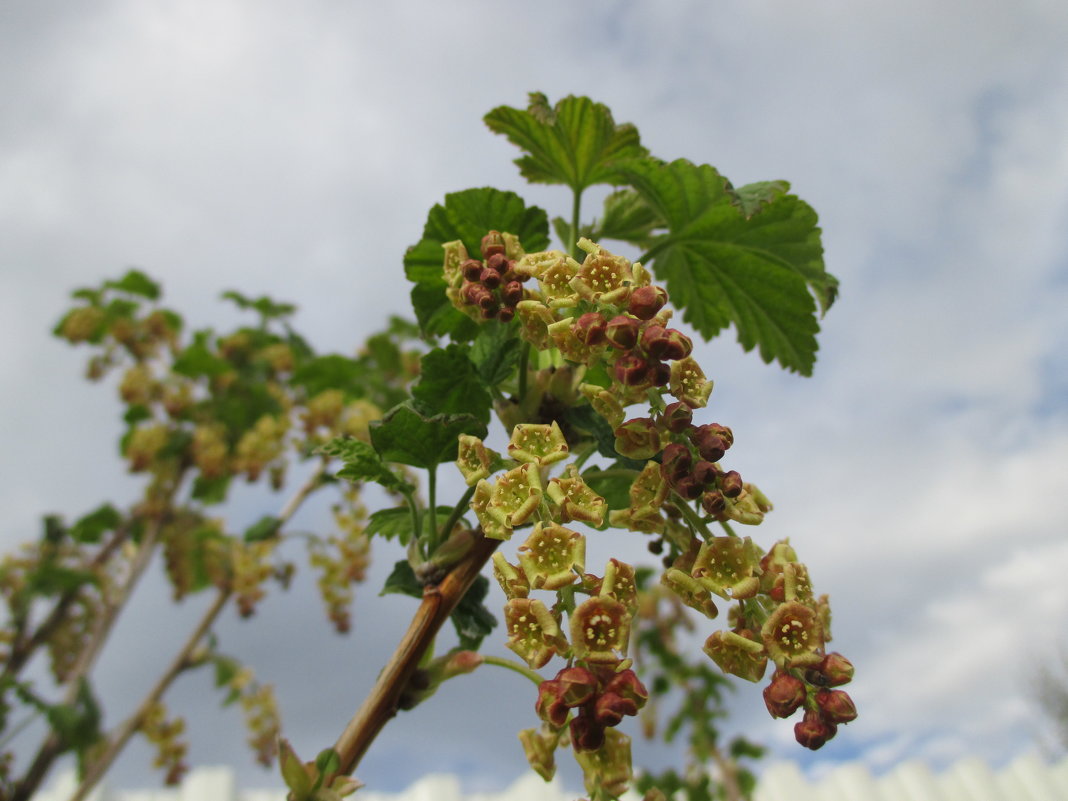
611, 708
712, 440
576, 685
472, 269
704, 473
506, 314
492, 243
836, 669
512, 293
589, 329
490, 278
646, 301
586, 734
813, 731
677, 417
622, 332
498, 262
784, 695
730, 484
836, 706
713, 503
659, 374
631, 370
675, 463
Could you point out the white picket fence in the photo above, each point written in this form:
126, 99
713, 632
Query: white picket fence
1026, 779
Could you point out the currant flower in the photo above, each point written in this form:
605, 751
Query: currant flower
539, 746
533, 632
600, 629
628, 519
574, 499
604, 403
555, 280
491, 526
688, 383
638, 438
608, 769
516, 496
793, 635
534, 321
568, 343
603, 277
689, 591
537, 443
648, 491
737, 653
513, 581
729, 567
550, 556
474, 459
619, 583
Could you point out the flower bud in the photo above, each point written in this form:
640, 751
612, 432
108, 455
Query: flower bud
631, 370
712, 440
586, 733
675, 463
472, 270
550, 705
677, 417
589, 329
474, 293
659, 374
492, 243
813, 731
713, 503
622, 332
506, 314
576, 685
704, 473
688, 487
784, 695
836, 669
611, 708
836, 706
677, 345
512, 293
655, 341
490, 278
730, 484
626, 684
646, 301
498, 262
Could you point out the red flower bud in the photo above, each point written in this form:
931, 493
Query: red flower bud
659, 374
622, 332
712, 440
491, 278
472, 269
475, 294
655, 341
688, 487
675, 462
730, 484
784, 695
589, 329
512, 293
550, 705
714, 503
626, 684
577, 685
498, 262
678, 346
812, 732
836, 669
646, 301
677, 417
506, 314
611, 708
492, 243
586, 733
836, 706
631, 370
704, 472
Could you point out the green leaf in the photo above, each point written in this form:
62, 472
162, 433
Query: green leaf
627, 218
210, 490
332, 371
267, 307
407, 436
135, 282
77, 724
362, 463
450, 384
437, 316
136, 413
402, 581
197, 359
575, 143
327, 762
495, 352
611, 483
264, 528
92, 526
473, 621
722, 267
391, 523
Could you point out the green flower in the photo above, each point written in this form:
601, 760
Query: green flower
491, 526
474, 459
737, 654
537, 443
513, 582
455, 256
533, 632
619, 583
653, 523
600, 628
516, 496
688, 383
689, 591
729, 567
539, 746
575, 500
604, 403
793, 635
649, 491
555, 280
534, 320
608, 769
603, 278
551, 555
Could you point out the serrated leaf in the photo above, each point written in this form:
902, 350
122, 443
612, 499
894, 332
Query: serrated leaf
402, 581
390, 524
264, 528
495, 352
135, 282
450, 384
611, 483
575, 143
473, 621
436, 316
363, 463
331, 371
724, 268
407, 436
627, 218
92, 526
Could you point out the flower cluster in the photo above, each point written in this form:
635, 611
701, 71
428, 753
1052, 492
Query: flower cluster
489, 289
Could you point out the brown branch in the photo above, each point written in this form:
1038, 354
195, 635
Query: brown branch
381, 704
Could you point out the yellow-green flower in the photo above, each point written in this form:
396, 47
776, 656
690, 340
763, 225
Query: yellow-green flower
688, 383
793, 635
513, 582
551, 555
516, 496
533, 632
737, 654
600, 629
575, 500
537, 443
474, 459
729, 567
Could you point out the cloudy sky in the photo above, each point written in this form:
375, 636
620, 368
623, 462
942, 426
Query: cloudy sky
294, 149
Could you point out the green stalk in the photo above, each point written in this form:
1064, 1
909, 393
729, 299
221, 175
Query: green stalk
576, 206
524, 365
727, 528
458, 510
512, 665
432, 486
696, 523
